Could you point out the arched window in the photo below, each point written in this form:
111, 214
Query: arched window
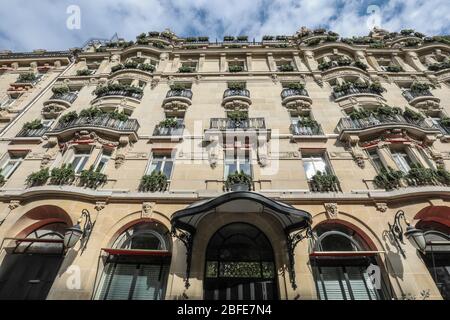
239, 265
437, 254
342, 264
30, 267
137, 266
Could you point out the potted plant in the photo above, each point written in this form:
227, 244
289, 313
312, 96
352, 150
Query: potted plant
33, 125
376, 87
154, 182
394, 68
92, 178
238, 181
91, 112
421, 176
178, 87
131, 65
60, 90
420, 86
117, 67
236, 85
344, 61
412, 115
168, 123
146, 67
26, 77
38, 178
324, 182
389, 179
286, 67
62, 176
361, 65
360, 114
121, 116
295, 86
307, 122
68, 117
83, 72
2, 180
237, 116
325, 65
235, 68
185, 69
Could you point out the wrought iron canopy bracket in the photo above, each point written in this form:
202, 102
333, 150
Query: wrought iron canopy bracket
293, 240
187, 239
396, 230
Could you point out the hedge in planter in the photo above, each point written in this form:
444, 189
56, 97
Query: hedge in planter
33, 125
235, 68
68, 117
63, 175
389, 179
361, 65
38, 178
420, 176
92, 179
295, 86
2, 180
308, 122
110, 87
83, 72
117, 67
286, 67
26, 77
394, 68
324, 182
154, 182
325, 65
412, 115
238, 178
61, 90
418, 86
237, 115
445, 122
185, 69
178, 87
146, 67
169, 123
236, 86
360, 114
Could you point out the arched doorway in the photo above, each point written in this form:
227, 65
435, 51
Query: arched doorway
342, 262
137, 265
31, 265
240, 265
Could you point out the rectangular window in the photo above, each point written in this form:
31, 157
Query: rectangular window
102, 161
376, 160
10, 164
402, 160
161, 163
79, 160
235, 162
313, 164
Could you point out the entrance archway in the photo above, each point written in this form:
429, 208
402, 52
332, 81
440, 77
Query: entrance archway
240, 265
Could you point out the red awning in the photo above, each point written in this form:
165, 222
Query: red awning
128, 252
440, 214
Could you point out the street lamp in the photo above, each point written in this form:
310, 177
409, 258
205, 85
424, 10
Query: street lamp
415, 236
75, 233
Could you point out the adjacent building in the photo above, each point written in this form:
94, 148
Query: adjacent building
300, 167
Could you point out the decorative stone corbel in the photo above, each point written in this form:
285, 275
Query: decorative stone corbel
331, 210
13, 204
147, 209
357, 153
100, 205
263, 158
381, 206
120, 159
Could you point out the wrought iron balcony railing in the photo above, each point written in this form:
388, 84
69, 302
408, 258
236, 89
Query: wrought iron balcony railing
351, 91
169, 131
229, 124
28, 133
413, 94
123, 93
299, 130
372, 121
69, 97
236, 92
29, 81
293, 92
103, 121
185, 93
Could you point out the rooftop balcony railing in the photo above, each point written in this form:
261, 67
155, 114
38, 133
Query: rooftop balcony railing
286, 93
299, 130
28, 133
230, 124
372, 121
123, 93
103, 121
354, 90
185, 93
69, 97
413, 94
29, 81
236, 93
169, 131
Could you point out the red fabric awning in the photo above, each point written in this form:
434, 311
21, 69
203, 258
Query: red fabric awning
440, 214
128, 252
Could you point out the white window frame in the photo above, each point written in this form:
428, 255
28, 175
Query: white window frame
82, 155
164, 158
7, 160
313, 158
105, 154
237, 158
373, 156
399, 157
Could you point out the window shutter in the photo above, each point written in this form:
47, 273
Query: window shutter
150, 282
357, 278
334, 284
117, 282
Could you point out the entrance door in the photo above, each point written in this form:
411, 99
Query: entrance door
240, 265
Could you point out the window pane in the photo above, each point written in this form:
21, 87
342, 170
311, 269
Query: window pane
168, 164
309, 169
155, 166
320, 165
149, 283
334, 283
119, 284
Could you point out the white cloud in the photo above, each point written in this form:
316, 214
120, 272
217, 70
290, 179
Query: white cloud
31, 24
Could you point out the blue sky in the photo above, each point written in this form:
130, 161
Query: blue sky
35, 24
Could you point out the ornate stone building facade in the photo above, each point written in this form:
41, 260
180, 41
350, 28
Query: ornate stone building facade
227, 170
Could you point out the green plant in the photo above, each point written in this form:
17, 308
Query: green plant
141, 36
146, 67
442, 175
319, 31
412, 42
308, 122
377, 45
267, 38
186, 69
242, 38
286, 67
361, 65
412, 115
178, 86
63, 175
376, 87
313, 42
406, 32
156, 181
117, 67
131, 65
295, 86
237, 115
445, 121
439, 66
344, 61
38, 178
110, 87
68, 117
238, 178
387, 111
168, 123
91, 112
191, 39
203, 39
324, 182
62, 89
228, 38
394, 68
83, 72
281, 38
92, 178
420, 176
2, 180
158, 45
235, 68
342, 87
360, 114
33, 125
389, 179
26, 77
121, 116
420, 86
325, 65
236, 85
331, 38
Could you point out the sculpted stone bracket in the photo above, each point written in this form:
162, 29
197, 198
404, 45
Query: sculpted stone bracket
86, 137
293, 240
381, 206
187, 239
331, 210
147, 209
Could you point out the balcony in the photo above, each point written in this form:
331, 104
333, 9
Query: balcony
236, 99
65, 99
376, 124
422, 99
296, 99
23, 85
355, 91
309, 131
229, 124
175, 132
122, 93
32, 133
103, 124
177, 100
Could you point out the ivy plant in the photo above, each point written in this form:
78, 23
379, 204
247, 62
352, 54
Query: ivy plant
154, 182
92, 178
324, 182
62, 176
38, 178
